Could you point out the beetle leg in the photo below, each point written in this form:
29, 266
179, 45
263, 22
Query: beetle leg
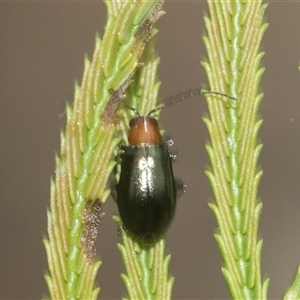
120, 232
180, 187
173, 156
169, 143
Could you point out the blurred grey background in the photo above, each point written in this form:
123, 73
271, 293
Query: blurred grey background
41, 54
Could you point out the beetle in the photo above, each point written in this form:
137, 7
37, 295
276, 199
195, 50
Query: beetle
147, 190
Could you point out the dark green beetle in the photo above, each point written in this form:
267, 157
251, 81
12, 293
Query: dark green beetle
146, 192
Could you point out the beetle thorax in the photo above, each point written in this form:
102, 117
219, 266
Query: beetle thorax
144, 131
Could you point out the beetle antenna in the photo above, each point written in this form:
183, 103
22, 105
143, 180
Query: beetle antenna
182, 96
187, 94
217, 93
176, 98
133, 110
159, 107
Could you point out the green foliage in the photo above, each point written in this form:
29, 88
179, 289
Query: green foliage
86, 157
235, 29
146, 267
294, 291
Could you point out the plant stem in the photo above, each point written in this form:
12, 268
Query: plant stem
235, 30
86, 157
